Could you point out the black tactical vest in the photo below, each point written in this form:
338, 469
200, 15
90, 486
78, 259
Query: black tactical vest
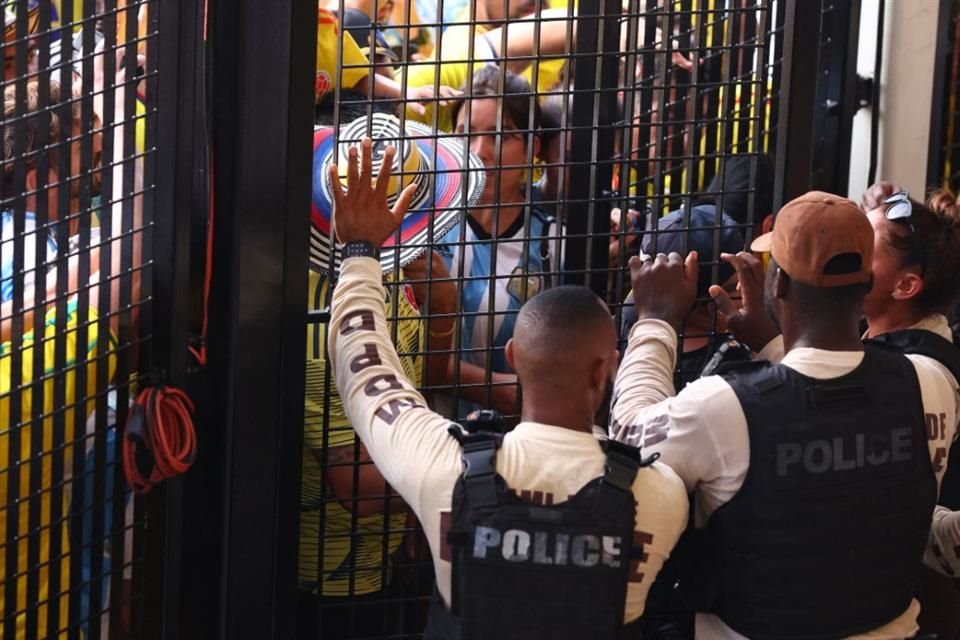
825, 537
927, 343
522, 570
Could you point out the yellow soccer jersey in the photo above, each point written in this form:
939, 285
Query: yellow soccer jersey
353, 555
31, 488
456, 66
354, 67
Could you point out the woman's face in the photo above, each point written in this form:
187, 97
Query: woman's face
505, 171
886, 267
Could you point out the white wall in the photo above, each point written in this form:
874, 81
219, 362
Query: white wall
906, 90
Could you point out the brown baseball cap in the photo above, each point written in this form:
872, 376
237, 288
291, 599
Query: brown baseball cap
812, 232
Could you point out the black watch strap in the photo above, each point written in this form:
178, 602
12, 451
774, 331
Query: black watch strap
360, 249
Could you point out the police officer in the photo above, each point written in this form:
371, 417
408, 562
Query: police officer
813, 480
547, 533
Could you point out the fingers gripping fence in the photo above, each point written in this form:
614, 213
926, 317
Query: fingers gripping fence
563, 137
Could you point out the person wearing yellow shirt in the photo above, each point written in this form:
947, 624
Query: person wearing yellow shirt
54, 366
340, 62
465, 48
351, 524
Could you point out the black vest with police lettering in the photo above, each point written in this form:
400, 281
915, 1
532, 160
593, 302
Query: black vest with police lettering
523, 570
825, 537
927, 343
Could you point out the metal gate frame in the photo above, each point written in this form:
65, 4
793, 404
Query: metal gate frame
222, 560
942, 150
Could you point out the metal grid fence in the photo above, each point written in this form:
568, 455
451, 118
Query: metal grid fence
77, 174
594, 122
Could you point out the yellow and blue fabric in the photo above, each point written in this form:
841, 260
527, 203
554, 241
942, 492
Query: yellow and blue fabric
352, 551
354, 66
27, 463
31, 263
523, 259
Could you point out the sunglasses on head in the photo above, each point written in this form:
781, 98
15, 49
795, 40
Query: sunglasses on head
899, 208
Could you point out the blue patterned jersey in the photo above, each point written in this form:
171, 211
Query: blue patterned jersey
498, 276
32, 264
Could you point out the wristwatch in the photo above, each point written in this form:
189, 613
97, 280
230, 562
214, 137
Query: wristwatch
360, 249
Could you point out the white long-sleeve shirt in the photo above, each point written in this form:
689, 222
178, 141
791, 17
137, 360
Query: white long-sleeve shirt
411, 447
702, 431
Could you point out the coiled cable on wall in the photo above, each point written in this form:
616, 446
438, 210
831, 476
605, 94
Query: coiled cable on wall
159, 441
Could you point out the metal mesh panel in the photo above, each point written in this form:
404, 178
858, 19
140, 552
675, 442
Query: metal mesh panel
593, 120
79, 77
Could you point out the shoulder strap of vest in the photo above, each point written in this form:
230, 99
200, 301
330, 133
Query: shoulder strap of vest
622, 464
479, 456
619, 472
544, 249
739, 366
754, 377
925, 343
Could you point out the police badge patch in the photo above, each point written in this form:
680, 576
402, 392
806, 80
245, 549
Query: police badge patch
523, 286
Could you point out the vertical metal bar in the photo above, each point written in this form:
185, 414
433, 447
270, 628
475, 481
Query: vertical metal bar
849, 102
58, 511
588, 221
36, 463
262, 141
92, 489
798, 87
148, 589
877, 79
129, 331
939, 109
14, 423
77, 412
167, 215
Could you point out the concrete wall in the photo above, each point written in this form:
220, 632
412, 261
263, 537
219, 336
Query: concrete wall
910, 31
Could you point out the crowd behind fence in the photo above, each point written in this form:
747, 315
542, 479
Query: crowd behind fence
562, 137
601, 129
77, 185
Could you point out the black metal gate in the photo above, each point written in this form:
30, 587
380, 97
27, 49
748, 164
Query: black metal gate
651, 107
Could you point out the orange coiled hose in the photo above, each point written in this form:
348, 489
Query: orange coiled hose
159, 441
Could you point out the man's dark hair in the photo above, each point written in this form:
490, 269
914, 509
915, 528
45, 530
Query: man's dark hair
352, 105
564, 309
515, 95
930, 241
732, 187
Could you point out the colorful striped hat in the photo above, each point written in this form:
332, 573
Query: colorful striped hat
449, 178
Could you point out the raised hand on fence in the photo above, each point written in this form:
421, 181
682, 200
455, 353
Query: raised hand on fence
664, 287
361, 213
749, 323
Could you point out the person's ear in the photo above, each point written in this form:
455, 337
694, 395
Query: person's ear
781, 284
613, 365
767, 225
508, 354
600, 375
30, 180
907, 287
536, 146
